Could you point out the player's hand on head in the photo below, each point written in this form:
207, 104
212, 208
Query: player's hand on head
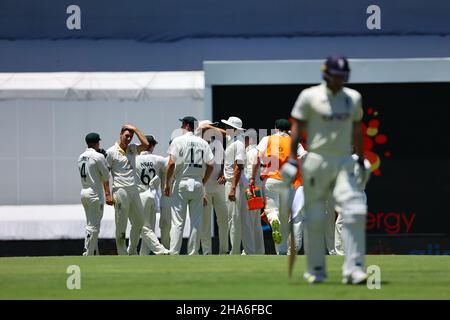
129, 127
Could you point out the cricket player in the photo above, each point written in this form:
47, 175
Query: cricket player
215, 191
121, 159
331, 115
252, 233
147, 176
94, 177
273, 152
233, 167
190, 164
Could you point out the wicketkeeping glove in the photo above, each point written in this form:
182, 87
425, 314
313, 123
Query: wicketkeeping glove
289, 170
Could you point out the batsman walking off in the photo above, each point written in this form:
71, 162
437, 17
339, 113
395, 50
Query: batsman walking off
331, 115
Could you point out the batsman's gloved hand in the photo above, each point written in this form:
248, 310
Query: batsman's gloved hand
289, 170
363, 172
102, 151
361, 164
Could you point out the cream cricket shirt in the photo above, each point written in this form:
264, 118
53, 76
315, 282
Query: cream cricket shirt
235, 151
122, 164
191, 154
330, 118
147, 167
93, 171
251, 159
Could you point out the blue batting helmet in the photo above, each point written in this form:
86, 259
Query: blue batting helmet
336, 65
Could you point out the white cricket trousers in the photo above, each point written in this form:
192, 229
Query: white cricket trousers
93, 209
278, 195
323, 175
330, 225
297, 208
149, 205
338, 242
234, 217
128, 205
182, 197
165, 219
252, 233
215, 194
338, 231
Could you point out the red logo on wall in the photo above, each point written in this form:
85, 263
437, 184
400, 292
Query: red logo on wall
373, 140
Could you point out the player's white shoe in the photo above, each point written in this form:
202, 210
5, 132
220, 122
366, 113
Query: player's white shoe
357, 277
163, 253
313, 278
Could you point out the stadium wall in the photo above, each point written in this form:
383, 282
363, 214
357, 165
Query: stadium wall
376, 244
405, 104
172, 20
400, 210
48, 115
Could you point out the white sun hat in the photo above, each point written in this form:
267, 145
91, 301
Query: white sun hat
234, 122
202, 123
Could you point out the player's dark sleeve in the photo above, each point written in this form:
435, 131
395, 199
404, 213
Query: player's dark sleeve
102, 151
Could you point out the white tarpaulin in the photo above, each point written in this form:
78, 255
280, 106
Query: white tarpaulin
57, 222
47, 116
102, 85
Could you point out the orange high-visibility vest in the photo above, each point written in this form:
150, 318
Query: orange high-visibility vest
278, 152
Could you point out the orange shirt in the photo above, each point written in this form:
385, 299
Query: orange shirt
278, 152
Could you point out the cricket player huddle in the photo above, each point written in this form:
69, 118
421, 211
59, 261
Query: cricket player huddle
215, 170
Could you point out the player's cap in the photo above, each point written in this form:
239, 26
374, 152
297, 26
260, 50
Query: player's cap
336, 65
251, 133
151, 140
189, 120
234, 122
283, 125
204, 122
92, 138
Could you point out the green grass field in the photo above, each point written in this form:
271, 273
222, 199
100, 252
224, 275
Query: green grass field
216, 277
